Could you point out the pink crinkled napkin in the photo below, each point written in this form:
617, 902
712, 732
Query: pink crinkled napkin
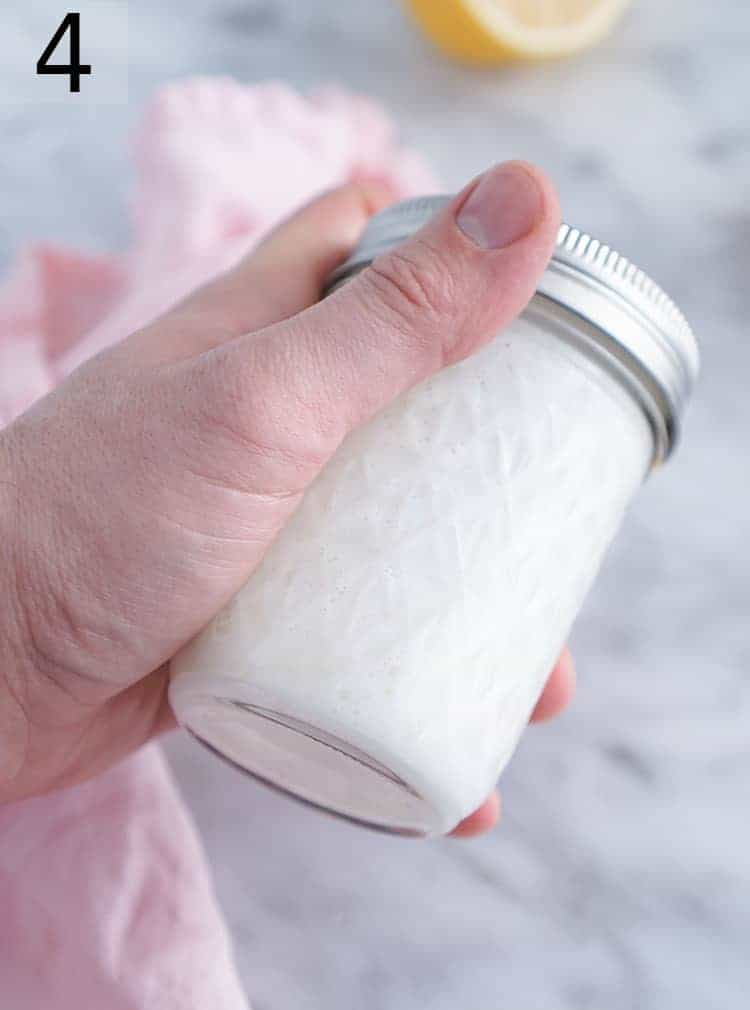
106, 899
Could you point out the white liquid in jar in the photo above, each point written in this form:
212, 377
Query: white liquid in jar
410, 612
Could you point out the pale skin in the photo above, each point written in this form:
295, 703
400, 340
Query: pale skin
138, 497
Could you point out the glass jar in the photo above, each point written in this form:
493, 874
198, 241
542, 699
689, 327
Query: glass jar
385, 657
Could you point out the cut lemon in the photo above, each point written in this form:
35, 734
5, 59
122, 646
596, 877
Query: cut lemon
492, 31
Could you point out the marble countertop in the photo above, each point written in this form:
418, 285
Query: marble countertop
621, 875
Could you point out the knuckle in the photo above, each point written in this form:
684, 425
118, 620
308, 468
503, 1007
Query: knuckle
245, 436
414, 284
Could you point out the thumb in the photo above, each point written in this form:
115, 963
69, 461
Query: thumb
298, 387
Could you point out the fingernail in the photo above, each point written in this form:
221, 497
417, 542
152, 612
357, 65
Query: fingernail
504, 206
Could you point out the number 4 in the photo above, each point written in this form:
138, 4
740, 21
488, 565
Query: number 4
75, 68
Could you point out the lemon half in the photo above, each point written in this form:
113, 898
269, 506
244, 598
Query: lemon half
493, 31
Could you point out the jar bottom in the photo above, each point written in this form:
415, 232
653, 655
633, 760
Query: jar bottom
308, 763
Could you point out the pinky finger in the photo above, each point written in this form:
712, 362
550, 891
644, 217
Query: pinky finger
482, 820
558, 690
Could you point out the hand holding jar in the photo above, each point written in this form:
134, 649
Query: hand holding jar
384, 659
164, 469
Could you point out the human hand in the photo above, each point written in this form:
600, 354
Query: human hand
138, 497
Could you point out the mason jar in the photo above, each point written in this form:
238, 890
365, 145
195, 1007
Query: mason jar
384, 658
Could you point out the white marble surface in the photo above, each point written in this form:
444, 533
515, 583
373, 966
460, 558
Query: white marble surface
621, 876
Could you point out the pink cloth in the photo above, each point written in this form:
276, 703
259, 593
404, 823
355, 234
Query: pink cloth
105, 896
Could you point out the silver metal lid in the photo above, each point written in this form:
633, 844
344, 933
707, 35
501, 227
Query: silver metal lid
635, 324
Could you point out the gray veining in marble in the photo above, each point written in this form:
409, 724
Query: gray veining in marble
621, 876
